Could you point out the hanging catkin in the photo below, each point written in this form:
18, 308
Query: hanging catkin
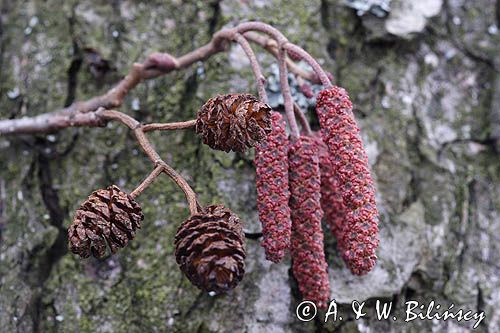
341, 135
331, 195
308, 258
271, 163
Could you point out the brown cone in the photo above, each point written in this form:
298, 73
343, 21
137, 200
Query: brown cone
233, 122
109, 216
210, 249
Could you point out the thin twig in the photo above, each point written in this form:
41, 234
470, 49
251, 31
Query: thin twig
148, 148
271, 46
302, 119
262, 27
323, 77
146, 182
194, 205
174, 175
284, 43
287, 96
146, 145
119, 116
168, 126
259, 78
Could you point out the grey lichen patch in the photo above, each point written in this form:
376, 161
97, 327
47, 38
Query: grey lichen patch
391, 169
379, 8
272, 309
408, 17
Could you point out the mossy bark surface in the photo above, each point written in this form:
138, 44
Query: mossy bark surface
428, 104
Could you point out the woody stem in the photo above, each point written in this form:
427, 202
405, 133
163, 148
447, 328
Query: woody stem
283, 43
83, 113
168, 126
148, 148
325, 81
287, 96
146, 182
257, 72
302, 119
271, 46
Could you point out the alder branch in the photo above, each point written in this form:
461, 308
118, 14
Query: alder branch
82, 113
76, 114
96, 112
300, 52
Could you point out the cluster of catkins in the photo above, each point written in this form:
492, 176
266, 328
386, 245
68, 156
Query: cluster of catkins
323, 176
300, 182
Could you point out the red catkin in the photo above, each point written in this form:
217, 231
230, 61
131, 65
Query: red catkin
331, 195
341, 135
308, 257
271, 162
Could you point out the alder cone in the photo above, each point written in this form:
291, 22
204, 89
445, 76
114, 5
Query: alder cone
233, 122
308, 257
108, 217
210, 249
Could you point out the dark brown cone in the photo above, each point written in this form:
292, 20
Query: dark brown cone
233, 122
210, 249
108, 217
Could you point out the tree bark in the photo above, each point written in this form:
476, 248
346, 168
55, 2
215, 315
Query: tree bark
425, 86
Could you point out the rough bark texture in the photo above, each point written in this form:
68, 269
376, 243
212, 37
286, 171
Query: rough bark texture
427, 100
